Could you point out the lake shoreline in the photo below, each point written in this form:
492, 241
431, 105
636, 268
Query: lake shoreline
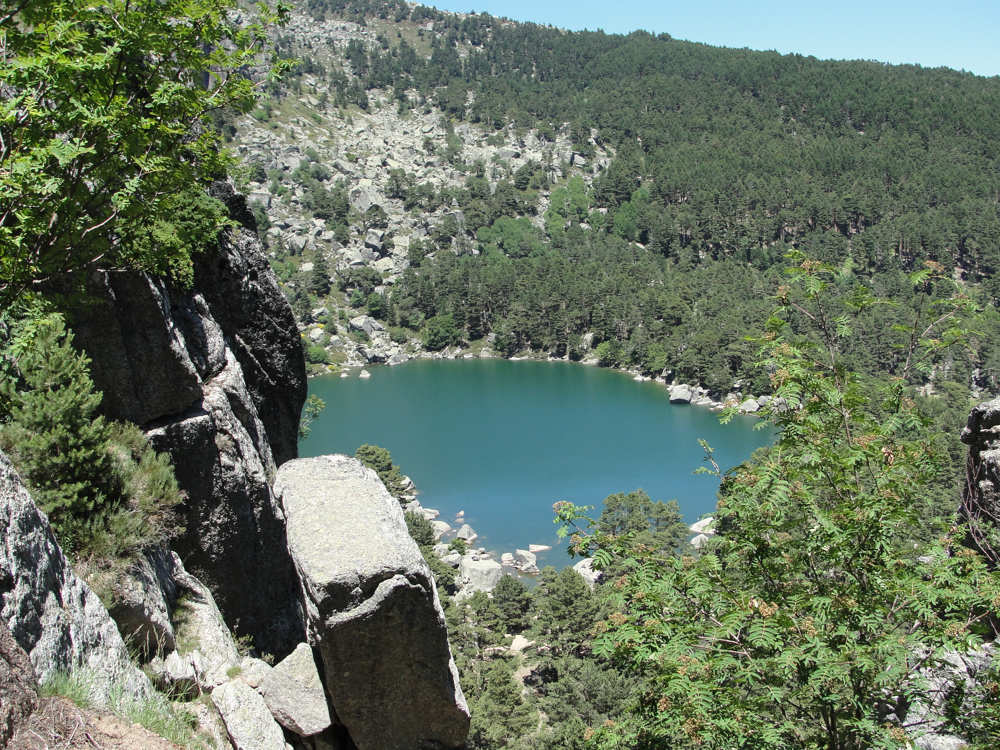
679, 393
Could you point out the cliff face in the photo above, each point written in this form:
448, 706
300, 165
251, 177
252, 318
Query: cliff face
216, 377
981, 495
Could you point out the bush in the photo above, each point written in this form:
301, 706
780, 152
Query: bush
440, 332
420, 528
380, 460
53, 433
317, 355
106, 492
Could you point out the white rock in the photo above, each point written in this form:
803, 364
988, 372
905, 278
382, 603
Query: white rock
519, 643
467, 533
585, 568
364, 374
704, 526
440, 528
699, 541
479, 575
680, 394
249, 724
526, 561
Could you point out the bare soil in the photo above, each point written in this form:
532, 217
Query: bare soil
58, 724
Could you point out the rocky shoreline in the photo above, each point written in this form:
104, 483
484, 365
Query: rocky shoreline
478, 568
678, 393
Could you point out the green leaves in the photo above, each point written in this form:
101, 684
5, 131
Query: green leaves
104, 122
807, 621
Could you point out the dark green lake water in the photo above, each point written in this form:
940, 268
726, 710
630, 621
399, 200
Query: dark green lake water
504, 440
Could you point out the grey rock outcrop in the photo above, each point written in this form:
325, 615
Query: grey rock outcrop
216, 377
479, 575
466, 533
249, 724
372, 609
50, 612
144, 599
680, 394
294, 694
18, 686
525, 561
585, 569
981, 493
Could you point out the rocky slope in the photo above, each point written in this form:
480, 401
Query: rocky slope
363, 150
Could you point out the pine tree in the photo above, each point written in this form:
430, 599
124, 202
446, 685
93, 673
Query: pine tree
54, 434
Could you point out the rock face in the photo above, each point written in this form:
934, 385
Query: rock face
372, 610
50, 612
18, 694
981, 495
216, 377
144, 598
294, 694
248, 722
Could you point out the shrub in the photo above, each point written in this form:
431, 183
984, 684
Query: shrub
380, 460
420, 528
106, 492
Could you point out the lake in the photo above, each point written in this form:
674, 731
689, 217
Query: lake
503, 440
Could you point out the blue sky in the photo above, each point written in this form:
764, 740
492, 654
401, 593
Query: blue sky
961, 34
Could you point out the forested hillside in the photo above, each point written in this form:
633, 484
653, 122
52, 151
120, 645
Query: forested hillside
724, 160
826, 232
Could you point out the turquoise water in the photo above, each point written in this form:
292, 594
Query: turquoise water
504, 440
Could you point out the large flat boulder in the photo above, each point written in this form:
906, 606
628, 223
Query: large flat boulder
373, 615
480, 575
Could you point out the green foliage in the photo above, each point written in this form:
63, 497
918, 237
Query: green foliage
420, 528
319, 277
444, 574
808, 620
380, 460
311, 409
439, 332
53, 432
107, 120
377, 306
106, 492
657, 526
499, 713
511, 597
565, 610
